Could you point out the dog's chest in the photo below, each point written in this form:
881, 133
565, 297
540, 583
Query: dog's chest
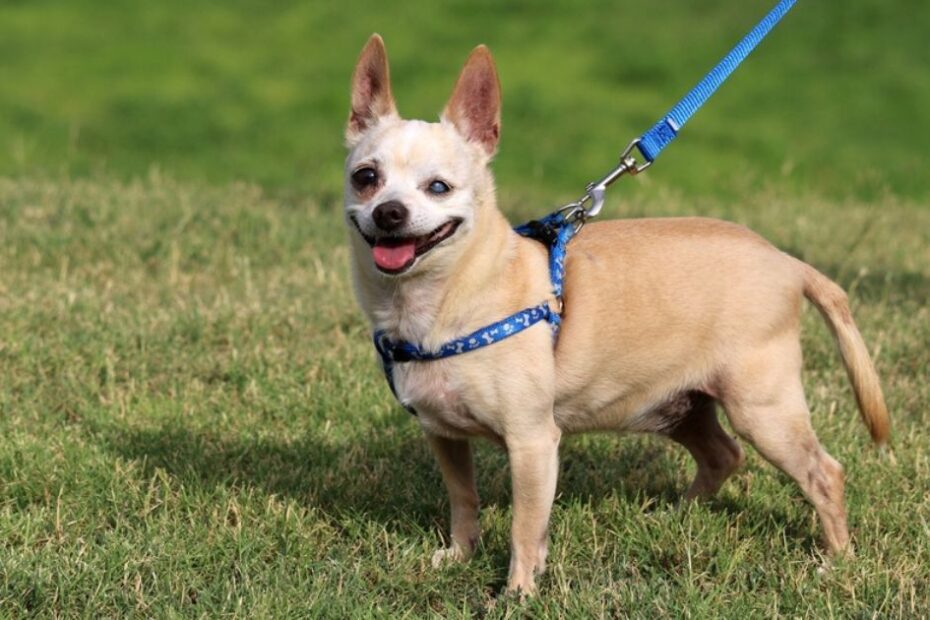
439, 399
440, 396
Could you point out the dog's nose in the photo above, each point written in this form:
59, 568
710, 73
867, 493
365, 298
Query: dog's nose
390, 215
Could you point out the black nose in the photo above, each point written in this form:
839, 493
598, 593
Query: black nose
390, 215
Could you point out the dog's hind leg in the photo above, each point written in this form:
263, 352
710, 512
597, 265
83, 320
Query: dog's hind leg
716, 453
458, 473
766, 406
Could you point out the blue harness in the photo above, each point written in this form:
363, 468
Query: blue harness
555, 230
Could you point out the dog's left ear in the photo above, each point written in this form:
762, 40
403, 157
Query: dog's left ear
475, 105
371, 90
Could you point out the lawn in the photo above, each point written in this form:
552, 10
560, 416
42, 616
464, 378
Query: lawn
834, 100
193, 422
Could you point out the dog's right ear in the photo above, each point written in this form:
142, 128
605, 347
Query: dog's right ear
371, 90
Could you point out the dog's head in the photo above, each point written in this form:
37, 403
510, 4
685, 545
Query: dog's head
413, 189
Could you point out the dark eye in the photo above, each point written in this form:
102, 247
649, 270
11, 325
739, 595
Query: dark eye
364, 177
439, 187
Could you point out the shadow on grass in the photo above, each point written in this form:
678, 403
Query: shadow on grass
386, 477
390, 477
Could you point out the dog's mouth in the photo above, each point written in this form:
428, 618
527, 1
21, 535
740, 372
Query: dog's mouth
395, 255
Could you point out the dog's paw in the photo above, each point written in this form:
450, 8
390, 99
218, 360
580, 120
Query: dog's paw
450, 555
830, 560
520, 591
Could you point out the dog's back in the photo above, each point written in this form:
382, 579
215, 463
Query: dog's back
682, 300
677, 298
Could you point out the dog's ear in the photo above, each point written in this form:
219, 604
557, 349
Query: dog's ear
475, 105
371, 90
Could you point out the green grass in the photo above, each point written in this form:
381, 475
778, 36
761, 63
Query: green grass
194, 424
192, 419
834, 101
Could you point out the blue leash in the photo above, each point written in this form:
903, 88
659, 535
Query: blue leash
651, 143
557, 229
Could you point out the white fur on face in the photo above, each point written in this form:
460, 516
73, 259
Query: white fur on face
409, 155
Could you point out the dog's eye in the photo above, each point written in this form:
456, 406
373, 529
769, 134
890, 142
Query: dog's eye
364, 177
439, 187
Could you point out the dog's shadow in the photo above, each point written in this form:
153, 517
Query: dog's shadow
389, 476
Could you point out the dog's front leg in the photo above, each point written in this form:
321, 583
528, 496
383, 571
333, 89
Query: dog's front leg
534, 465
458, 472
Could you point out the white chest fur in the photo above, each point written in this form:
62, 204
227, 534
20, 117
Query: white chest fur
441, 399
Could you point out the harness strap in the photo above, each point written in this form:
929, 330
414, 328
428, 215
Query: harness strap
555, 230
392, 352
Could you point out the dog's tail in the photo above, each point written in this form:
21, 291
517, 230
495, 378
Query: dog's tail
833, 304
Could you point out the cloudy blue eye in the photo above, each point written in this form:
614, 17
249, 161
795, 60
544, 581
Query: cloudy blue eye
439, 187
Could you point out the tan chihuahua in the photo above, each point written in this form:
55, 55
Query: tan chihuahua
663, 319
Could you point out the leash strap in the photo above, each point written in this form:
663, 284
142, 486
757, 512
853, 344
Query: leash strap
651, 143
662, 133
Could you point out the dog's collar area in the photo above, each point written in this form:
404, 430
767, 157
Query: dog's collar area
555, 230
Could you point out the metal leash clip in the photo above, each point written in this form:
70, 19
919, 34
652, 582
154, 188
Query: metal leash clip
595, 192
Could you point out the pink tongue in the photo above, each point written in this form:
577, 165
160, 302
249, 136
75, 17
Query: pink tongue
395, 256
